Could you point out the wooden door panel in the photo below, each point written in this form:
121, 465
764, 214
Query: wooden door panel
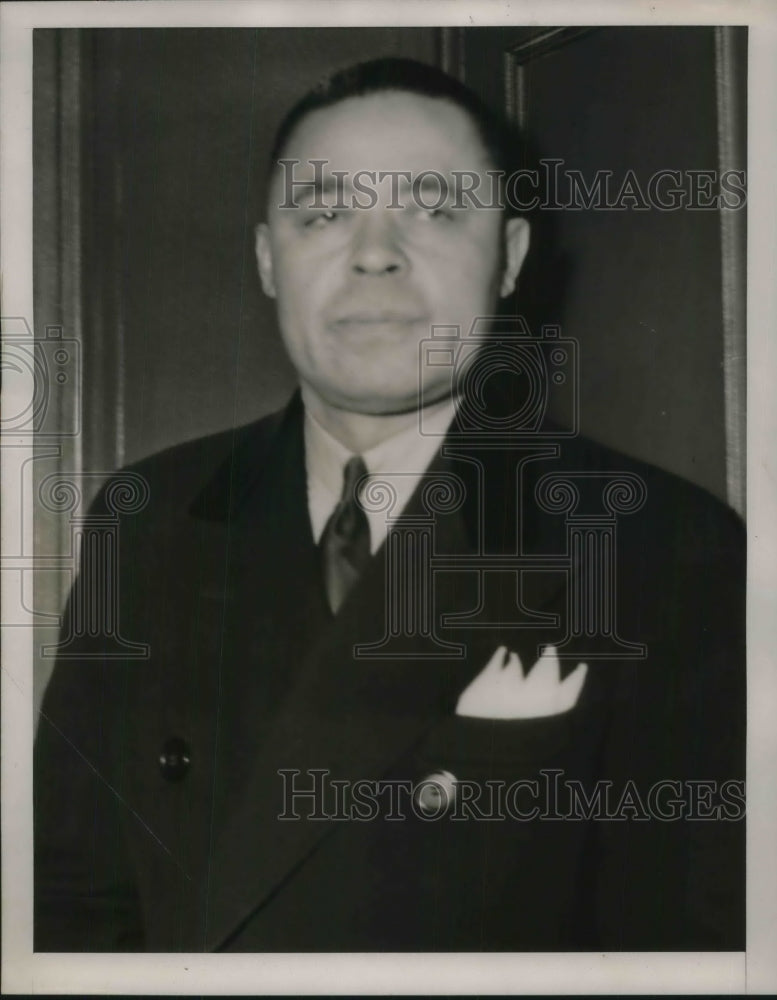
639, 288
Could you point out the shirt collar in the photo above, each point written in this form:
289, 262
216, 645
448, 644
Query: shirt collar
406, 455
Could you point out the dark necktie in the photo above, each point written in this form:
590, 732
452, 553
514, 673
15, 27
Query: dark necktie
345, 542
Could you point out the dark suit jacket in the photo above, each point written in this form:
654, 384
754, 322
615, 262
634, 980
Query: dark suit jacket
251, 674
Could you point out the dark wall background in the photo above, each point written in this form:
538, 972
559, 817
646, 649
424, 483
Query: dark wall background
640, 290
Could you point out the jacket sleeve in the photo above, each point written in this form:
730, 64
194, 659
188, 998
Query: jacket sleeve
85, 895
678, 722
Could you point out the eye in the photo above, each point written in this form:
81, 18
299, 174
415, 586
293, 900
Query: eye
434, 214
321, 220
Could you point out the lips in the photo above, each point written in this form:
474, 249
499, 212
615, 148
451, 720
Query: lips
362, 317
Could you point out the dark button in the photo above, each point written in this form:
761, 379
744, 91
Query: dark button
435, 794
175, 758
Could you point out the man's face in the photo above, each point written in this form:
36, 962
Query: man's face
359, 288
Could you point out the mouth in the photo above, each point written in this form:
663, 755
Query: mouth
378, 317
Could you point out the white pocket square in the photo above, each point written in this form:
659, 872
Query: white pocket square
501, 691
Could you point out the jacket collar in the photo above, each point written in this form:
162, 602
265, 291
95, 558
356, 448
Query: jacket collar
255, 449
477, 460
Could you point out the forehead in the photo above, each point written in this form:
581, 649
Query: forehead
389, 130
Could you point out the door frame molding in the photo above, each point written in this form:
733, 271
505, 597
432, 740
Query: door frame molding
731, 94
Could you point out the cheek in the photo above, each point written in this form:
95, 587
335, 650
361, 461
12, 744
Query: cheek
466, 266
301, 285
467, 286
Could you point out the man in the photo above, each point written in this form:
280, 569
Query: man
376, 713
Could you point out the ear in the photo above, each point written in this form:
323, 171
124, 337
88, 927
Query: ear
264, 261
516, 237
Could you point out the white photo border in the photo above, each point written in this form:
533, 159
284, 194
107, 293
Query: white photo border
754, 971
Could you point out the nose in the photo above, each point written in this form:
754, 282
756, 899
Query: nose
376, 248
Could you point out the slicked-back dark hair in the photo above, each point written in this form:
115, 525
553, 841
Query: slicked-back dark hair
407, 76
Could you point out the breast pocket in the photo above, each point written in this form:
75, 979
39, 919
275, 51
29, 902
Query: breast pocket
479, 746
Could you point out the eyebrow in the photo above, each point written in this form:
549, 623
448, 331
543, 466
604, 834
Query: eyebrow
312, 190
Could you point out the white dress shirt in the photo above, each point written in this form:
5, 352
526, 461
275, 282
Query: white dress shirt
409, 452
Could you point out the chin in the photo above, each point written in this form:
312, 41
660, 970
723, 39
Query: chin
379, 404
369, 403
375, 407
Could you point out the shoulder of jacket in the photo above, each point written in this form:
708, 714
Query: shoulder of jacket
176, 476
672, 504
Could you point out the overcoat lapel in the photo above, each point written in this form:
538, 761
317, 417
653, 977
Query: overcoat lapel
353, 717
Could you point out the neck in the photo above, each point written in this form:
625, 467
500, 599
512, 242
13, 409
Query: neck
358, 432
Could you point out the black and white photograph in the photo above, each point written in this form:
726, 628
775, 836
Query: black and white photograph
380, 582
